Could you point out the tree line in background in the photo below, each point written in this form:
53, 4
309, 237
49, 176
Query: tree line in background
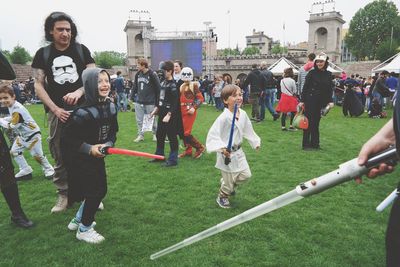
374, 31
104, 59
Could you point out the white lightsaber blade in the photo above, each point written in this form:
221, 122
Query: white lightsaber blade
387, 201
346, 172
250, 214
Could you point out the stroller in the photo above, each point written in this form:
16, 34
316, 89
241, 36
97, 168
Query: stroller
351, 103
376, 110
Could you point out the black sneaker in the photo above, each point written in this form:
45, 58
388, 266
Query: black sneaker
284, 129
169, 164
21, 220
156, 160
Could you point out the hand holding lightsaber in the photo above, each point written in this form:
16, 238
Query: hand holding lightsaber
346, 172
119, 151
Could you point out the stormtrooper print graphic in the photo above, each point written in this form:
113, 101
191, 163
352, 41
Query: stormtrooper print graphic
64, 70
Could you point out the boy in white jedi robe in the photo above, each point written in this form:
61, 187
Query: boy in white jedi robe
238, 170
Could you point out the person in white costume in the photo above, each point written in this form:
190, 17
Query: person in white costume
238, 170
28, 135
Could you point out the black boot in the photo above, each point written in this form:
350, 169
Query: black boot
12, 198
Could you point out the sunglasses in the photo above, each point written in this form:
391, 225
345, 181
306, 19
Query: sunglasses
186, 74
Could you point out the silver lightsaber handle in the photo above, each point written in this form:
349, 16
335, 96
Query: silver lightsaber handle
346, 171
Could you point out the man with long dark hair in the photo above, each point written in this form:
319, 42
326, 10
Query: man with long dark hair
60, 64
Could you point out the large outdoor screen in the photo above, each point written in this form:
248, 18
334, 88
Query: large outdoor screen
187, 51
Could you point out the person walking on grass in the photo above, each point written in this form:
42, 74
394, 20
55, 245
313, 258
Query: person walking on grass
238, 170
57, 70
190, 99
169, 117
28, 135
90, 128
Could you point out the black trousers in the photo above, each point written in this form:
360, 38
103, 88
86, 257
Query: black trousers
393, 236
312, 110
167, 129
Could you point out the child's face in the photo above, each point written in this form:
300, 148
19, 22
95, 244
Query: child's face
6, 100
235, 98
103, 85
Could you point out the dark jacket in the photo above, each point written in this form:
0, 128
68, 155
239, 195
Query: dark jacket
318, 86
254, 79
93, 123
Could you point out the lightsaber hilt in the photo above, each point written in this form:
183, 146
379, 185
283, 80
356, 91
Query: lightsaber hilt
104, 150
346, 171
229, 148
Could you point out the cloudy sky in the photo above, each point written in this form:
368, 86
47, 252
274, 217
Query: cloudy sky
101, 23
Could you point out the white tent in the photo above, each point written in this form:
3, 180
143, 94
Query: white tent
281, 64
334, 68
391, 65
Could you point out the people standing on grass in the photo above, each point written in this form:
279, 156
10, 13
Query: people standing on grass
317, 94
90, 128
120, 89
268, 88
238, 170
254, 80
28, 135
190, 100
218, 86
57, 70
146, 90
288, 103
169, 117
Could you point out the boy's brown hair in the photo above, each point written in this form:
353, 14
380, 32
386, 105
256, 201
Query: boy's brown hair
229, 90
7, 89
143, 62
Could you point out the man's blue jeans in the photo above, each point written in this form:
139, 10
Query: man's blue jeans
266, 102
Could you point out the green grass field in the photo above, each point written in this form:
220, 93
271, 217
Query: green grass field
149, 208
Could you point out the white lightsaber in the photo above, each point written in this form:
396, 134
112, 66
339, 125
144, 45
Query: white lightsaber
387, 201
346, 172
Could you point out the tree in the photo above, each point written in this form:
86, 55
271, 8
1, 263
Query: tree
251, 50
230, 52
371, 26
107, 59
7, 54
278, 49
387, 49
20, 55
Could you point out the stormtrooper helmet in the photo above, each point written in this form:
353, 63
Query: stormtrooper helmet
187, 74
64, 70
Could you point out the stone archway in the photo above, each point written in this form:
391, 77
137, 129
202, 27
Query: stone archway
139, 42
321, 38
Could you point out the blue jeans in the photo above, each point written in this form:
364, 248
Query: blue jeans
122, 97
218, 103
266, 101
377, 96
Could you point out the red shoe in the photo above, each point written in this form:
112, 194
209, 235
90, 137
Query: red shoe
185, 154
199, 152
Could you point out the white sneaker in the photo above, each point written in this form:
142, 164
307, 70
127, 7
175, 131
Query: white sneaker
90, 236
24, 171
101, 206
49, 173
139, 139
74, 224
61, 204
154, 138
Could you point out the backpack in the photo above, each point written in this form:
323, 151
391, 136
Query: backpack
46, 52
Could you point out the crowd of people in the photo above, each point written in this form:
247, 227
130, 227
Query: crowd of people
83, 102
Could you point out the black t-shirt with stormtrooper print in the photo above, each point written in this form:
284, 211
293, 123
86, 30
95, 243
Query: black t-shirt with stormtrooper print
63, 71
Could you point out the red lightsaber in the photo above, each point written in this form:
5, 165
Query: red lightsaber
119, 151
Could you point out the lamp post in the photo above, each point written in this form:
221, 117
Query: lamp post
207, 48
